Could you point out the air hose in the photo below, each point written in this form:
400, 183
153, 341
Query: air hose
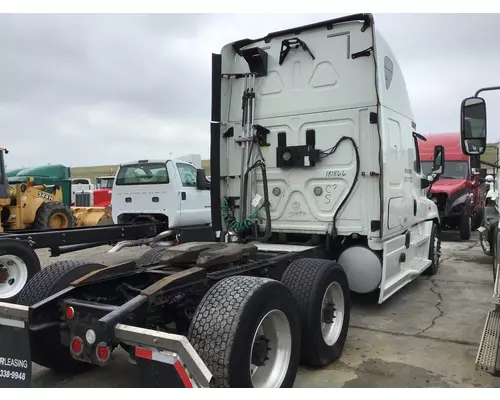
233, 223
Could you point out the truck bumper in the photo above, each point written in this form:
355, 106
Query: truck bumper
164, 359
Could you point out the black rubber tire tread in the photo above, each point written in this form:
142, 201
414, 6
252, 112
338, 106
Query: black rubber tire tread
434, 267
478, 218
46, 347
225, 321
465, 227
45, 212
151, 257
24, 252
307, 280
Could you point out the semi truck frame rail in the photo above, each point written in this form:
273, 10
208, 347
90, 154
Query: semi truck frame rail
49, 238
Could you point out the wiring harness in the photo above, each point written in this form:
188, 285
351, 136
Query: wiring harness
240, 227
329, 152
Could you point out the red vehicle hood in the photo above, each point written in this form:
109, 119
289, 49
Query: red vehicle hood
448, 186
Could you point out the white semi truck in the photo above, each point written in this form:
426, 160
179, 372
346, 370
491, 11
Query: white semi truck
316, 191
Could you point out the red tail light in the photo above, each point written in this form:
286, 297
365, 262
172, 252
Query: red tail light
77, 346
103, 352
70, 312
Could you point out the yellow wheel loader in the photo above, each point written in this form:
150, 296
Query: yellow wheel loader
26, 204
35, 207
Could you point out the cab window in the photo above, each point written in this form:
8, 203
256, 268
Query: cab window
188, 175
417, 167
142, 174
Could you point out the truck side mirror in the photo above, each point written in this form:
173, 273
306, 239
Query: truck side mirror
202, 183
438, 165
473, 126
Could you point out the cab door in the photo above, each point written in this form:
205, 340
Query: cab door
195, 204
399, 174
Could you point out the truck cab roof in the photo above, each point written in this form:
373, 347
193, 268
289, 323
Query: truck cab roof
155, 161
450, 142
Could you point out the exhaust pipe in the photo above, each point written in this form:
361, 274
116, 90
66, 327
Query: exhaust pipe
140, 242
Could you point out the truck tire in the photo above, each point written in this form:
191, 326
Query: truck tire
18, 264
321, 290
434, 251
465, 226
494, 250
247, 331
477, 220
55, 215
46, 347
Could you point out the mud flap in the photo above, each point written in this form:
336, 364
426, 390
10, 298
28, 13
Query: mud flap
164, 359
161, 369
15, 353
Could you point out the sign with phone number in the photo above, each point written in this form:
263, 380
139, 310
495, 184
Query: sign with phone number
12, 374
15, 356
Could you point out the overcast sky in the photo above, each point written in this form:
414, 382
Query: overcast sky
102, 89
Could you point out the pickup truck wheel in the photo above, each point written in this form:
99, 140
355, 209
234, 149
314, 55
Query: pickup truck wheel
321, 290
485, 240
465, 226
247, 331
434, 251
46, 347
478, 218
18, 264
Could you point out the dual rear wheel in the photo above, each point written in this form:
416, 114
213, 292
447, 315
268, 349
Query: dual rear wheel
249, 331
254, 332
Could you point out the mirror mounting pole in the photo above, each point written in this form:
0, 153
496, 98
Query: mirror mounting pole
486, 89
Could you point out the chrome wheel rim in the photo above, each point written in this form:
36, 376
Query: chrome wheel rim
271, 350
332, 313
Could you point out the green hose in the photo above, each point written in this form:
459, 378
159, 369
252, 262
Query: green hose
233, 223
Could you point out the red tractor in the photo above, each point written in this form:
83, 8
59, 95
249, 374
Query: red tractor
457, 193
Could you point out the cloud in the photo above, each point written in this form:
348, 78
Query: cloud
86, 89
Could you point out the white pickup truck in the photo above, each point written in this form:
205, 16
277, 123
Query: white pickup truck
164, 190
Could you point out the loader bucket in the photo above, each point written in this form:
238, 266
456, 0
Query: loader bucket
92, 216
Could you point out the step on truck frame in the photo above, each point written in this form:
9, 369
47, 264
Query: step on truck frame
488, 354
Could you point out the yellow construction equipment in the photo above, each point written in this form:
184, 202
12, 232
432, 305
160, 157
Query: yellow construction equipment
91, 216
35, 207
28, 206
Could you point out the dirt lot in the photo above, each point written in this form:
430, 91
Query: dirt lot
424, 336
